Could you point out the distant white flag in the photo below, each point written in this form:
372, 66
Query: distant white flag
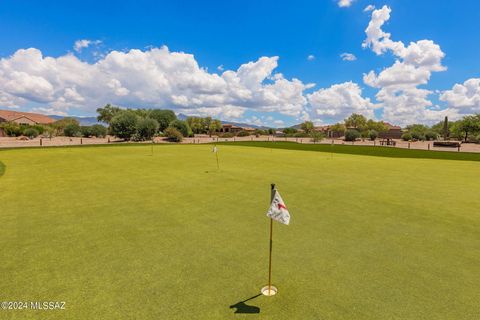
278, 211
215, 150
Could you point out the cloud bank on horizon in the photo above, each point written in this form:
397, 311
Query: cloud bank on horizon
160, 78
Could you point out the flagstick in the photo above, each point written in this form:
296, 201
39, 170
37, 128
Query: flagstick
216, 155
270, 256
270, 290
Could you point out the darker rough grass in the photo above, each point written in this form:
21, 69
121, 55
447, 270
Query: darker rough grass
3, 167
364, 150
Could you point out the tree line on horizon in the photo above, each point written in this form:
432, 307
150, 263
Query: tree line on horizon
144, 124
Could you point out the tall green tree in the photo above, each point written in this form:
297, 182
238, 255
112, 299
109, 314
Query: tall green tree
356, 121
469, 125
446, 131
124, 124
146, 128
377, 126
182, 126
214, 126
307, 126
163, 117
107, 113
338, 128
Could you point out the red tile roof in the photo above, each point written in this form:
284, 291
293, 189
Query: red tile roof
8, 115
390, 126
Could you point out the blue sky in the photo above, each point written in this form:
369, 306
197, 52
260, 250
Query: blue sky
232, 33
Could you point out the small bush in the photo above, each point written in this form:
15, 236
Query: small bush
12, 129
146, 128
86, 131
72, 130
431, 135
31, 133
407, 136
243, 134
39, 128
182, 126
478, 138
317, 136
301, 135
259, 132
351, 135
289, 131
173, 134
372, 135
417, 136
227, 135
99, 131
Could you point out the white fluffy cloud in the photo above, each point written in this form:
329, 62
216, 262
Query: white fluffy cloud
155, 77
310, 57
345, 3
399, 95
338, 102
84, 43
465, 98
348, 56
368, 8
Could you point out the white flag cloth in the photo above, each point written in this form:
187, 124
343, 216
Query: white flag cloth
278, 211
215, 150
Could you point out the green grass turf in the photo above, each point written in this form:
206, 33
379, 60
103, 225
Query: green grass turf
390, 152
120, 234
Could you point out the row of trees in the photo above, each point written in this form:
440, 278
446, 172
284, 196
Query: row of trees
358, 126
69, 127
466, 129
144, 124
354, 127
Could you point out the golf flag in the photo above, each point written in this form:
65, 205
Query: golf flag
278, 211
215, 150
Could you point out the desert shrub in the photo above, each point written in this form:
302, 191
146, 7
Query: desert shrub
124, 124
407, 136
243, 134
173, 134
290, 131
301, 135
317, 136
372, 134
31, 133
364, 134
182, 126
72, 130
259, 132
12, 129
351, 135
60, 125
431, 135
86, 131
146, 128
416, 135
477, 138
49, 132
99, 131
227, 135
40, 129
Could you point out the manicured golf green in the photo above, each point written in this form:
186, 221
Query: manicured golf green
121, 233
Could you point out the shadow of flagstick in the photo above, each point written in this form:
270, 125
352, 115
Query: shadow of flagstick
242, 307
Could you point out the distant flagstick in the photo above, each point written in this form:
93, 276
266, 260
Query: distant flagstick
277, 211
215, 150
